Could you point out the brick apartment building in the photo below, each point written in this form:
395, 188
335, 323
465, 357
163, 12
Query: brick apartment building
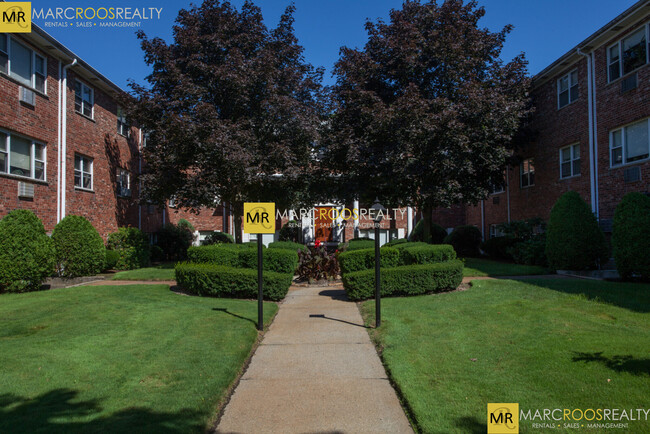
591, 131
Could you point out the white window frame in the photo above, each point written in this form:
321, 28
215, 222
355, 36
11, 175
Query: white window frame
34, 55
83, 101
495, 231
531, 162
570, 85
32, 157
623, 146
83, 172
572, 160
121, 174
123, 127
6, 53
619, 44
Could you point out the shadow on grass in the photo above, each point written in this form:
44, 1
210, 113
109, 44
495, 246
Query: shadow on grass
52, 411
165, 266
471, 425
632, 296
626, 363
225, 310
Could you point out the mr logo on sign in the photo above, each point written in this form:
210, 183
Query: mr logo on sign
502, 418
259, 217
15, 17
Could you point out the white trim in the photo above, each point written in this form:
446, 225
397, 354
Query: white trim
570, 85
83, 171
83, 101
572, 159
619, 44
32, 156
34, 53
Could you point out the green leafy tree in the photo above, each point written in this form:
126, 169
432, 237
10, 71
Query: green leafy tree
631, 237
425, 113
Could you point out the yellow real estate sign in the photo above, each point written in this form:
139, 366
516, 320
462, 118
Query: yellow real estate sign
259, 217
15, 17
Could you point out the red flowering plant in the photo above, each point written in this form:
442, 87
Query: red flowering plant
316, 263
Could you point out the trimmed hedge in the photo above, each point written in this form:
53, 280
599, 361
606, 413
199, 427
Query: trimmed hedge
287, 245
631, 237
498, 247
396, 242
223, 281
26, 252
78, 247
276, 260
216, 254
218, 238
574, 241
359, 244
355, 260
427, 254
406, 280
465, 239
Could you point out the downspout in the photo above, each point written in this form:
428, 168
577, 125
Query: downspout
483, 219
595, 132
139, 183
592, 171
355, 223
508, 192
64, 135
58, 146
409, 221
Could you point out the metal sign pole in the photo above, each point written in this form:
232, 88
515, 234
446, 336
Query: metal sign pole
377, 279
260, 295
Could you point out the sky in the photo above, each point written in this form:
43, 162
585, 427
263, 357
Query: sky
543, 30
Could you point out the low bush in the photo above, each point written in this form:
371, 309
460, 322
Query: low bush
498, 247
287, 245
358, 244
396, 242
111, 259
218, 238
465, 239
631, 237
214, 254
406, 280
364, 259
79, 249
316, 263
133, 247
174, 240
574, 241
291, 231
437, 235
276, 260
230, 282
409, 245
427, 254
530, 252
26, 252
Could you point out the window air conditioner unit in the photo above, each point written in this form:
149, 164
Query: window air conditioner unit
26, 95
25, 190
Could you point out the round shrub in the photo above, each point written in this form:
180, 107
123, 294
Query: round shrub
465, 240
291, 231
574, 241
26, 252
133, 247
218, 238
498, 247
437, 235
111, 259
631, 237
79, 249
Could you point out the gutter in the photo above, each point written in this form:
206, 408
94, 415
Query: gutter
593, 154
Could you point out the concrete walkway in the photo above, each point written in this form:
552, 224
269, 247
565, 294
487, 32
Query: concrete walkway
315, 371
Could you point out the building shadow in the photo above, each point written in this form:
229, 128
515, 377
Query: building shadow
51, 412
631, 296
627, 363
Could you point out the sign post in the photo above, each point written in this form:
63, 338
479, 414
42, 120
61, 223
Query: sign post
259, 218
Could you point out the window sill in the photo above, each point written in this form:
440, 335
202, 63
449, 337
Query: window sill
24, 178
626, 75
568, 105
20, 83
84, 116
497, 193
87, 190
570, 177
633, 163
526, 187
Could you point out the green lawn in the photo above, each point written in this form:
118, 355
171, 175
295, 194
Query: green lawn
159, 272
477, 267
542, 343
134, 358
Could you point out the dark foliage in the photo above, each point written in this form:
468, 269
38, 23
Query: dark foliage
437, 234
112, 257
26, 252
465, 240
530, 252
316, 264
174, 240
523, 229
291, 231
631, 237
78, 247
218, 238
574, 241
498, 247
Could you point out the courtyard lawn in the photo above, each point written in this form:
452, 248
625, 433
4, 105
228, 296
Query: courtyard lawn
542, 343
479, 267
158, 272
136, 358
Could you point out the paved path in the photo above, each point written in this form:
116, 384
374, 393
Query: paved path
315, 371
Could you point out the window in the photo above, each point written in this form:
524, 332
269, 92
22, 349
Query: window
122, 125
21, 156
527, 173
83, 99
83, 172
500, 187
570, 161
22, 63
123, 183
567, 89
629, 144
172, 202
627, 54
495, 231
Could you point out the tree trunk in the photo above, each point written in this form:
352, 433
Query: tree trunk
237, 221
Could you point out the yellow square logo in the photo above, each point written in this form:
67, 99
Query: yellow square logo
259, 217
503, 418
16, 17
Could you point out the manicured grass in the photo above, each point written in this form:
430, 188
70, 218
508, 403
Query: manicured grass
477, 267
542, 343
135, 358
158, 272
